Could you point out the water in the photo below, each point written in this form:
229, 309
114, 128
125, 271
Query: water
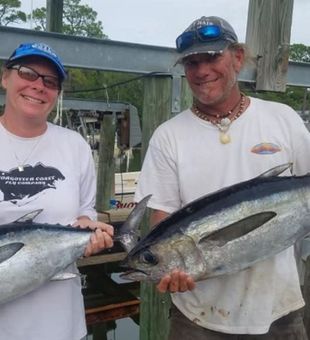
121, 329
125, 329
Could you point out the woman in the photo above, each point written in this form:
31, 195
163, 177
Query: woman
44, 166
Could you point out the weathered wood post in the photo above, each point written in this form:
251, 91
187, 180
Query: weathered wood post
154, 308
106, 168
54, 13
268, 36
306, 294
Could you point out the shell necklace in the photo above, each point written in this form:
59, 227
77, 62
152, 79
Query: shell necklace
222, 121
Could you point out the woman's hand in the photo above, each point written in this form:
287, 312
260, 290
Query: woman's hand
100, 239
177, 281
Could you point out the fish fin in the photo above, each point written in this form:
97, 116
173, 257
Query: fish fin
128, 233
64, 276
28, 218
277, 170
9, 250
239, 228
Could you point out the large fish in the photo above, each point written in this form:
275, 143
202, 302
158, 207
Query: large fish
32, 254
224, 232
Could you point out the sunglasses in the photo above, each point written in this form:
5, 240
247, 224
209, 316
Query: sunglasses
204, 33
29, 74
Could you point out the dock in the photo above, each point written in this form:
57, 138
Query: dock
106, 299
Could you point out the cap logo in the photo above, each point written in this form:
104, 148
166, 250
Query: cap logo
45, 48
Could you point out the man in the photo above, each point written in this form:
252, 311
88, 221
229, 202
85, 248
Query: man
225, 138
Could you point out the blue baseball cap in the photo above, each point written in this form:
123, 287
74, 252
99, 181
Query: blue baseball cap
41, 50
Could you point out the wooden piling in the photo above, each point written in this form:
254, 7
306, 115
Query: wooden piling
106, 166
154, 307
268, 37
54, 14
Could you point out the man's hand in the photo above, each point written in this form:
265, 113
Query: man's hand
177, 281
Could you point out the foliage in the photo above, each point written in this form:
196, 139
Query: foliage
77, 20
300, 52
39, 18
81, 20
9, 13
105, 85
293, 96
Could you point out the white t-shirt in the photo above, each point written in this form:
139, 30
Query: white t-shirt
185, 160
59, 177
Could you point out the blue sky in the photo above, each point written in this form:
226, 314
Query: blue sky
158, 22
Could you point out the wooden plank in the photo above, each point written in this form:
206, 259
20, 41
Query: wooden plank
112, 306
112, 312
99, 259
268, 37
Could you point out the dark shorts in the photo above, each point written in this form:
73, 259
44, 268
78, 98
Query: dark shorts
289, 327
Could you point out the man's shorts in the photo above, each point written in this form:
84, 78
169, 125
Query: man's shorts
289, 327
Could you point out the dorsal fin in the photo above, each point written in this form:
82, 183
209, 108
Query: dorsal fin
128, 233
277, 170
28, 218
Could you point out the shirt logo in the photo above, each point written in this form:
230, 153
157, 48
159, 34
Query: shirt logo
20, 187
265, 149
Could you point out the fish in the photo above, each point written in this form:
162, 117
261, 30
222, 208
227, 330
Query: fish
32, 254
223, 232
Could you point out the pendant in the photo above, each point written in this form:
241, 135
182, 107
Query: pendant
225, 123
20, 168
224, 138
224, 127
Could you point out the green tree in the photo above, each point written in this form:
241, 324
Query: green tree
39, 19
81, 20
9, 13
300, 52
78, 20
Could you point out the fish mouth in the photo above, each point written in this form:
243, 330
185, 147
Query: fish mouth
134, 274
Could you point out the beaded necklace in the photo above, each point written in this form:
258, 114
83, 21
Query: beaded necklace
222, 121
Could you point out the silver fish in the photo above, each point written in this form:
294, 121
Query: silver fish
226, 231
32, 254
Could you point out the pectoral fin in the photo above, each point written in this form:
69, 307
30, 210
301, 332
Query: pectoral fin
8, 250
239, 228
64, 276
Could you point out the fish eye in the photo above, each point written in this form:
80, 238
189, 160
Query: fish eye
149, 258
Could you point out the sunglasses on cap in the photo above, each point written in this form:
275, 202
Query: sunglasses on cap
27, 73
204, 34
